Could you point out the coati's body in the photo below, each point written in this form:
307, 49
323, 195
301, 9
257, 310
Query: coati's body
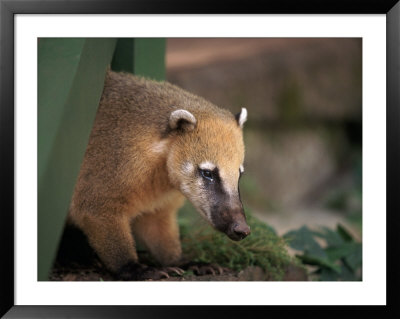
142, 160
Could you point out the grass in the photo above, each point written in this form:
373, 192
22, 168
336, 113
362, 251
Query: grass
263, 248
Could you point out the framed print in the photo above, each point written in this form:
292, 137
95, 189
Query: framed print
310, 82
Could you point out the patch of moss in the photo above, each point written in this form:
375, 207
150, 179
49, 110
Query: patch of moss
263, 248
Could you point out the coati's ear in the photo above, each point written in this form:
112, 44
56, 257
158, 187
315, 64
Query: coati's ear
241, 117
182, 120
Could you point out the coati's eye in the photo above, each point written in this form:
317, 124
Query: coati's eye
207, 174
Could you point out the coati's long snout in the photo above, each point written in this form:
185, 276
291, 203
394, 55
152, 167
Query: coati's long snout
231, 221
205, 163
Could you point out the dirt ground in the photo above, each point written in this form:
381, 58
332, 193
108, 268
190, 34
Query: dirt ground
97, 272
93, 270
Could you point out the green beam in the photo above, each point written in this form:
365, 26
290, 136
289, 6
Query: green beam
141, 56
71, 76
150, 58
123, 59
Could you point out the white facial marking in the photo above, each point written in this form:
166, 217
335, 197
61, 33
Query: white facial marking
242, 116
228, 190
197, 198
207, 165
187, 168
228, 182
159, 147
185, 189
241, 168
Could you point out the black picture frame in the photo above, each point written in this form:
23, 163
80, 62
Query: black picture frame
8, 10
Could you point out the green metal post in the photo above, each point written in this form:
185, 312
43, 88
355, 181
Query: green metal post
71, 76
141, 56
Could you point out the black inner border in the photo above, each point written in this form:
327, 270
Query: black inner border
9, 8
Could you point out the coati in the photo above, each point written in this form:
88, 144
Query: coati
152, 145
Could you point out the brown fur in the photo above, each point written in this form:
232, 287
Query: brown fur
131, 176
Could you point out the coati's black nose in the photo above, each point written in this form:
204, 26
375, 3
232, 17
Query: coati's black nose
241, 230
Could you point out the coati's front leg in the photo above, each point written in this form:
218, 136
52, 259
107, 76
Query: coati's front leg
159, 232
112, 240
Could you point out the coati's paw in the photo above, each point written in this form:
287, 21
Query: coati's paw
174, 271
201, 269
165, 273
139, 272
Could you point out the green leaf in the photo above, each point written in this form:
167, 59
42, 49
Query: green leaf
321, 262
303, 240
327, 274
344, 233
347, 275
354, 259
332, 238
343, 251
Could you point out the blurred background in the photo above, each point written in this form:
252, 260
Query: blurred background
303, 136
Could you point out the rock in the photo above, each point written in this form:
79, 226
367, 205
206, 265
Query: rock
295, 273
253, 273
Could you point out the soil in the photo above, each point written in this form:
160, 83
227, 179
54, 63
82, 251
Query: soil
97, 272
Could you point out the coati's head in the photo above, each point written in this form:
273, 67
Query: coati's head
205, 162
